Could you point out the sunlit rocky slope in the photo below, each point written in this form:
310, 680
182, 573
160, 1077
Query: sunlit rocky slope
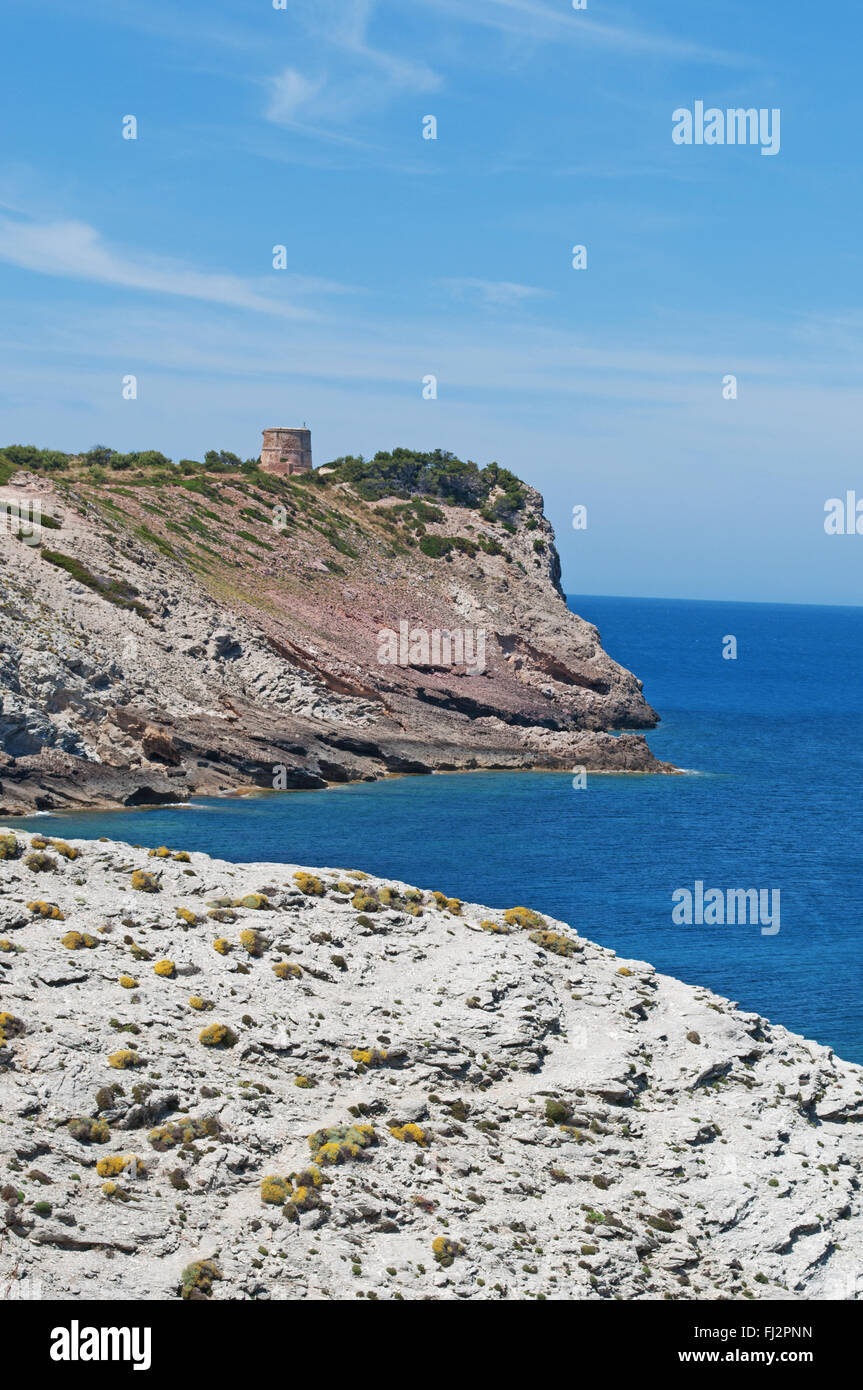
171, 632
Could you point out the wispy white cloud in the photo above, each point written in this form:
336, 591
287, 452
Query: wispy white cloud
345, 25
535, 20
358, 77
502, 293
465, 350
312, 104
290, 91
74, 250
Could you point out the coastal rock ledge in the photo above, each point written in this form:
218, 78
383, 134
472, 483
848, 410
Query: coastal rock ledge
167, 637
240, 1081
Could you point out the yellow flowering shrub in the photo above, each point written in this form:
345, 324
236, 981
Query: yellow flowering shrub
48, 910
308, 883
217, 1035
523, 917
124, 1059
78, 941
144, 883
553, 941
411, 1134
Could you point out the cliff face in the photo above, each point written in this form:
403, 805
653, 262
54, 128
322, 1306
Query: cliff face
473, 1104
171, 635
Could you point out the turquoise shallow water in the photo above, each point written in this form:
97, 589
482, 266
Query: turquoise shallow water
774, 739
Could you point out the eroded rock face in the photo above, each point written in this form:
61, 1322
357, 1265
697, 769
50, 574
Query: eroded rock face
135, 658
368, 1088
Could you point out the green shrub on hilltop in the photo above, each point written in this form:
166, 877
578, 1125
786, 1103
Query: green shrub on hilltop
104, 459
419, 477
436, 475
17, 456
222, 461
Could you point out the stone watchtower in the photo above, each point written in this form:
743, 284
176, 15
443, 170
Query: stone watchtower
287, 451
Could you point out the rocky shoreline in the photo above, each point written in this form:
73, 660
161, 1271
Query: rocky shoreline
267, 1081
55, 781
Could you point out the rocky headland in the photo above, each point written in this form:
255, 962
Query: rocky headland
268, 1081
177, 630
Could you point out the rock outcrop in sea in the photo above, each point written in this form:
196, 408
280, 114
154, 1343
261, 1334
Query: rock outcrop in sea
169, 632
268, 1081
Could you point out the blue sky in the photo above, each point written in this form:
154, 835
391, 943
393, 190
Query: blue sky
409, 257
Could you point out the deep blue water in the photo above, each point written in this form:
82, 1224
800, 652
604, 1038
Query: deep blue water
775, 740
